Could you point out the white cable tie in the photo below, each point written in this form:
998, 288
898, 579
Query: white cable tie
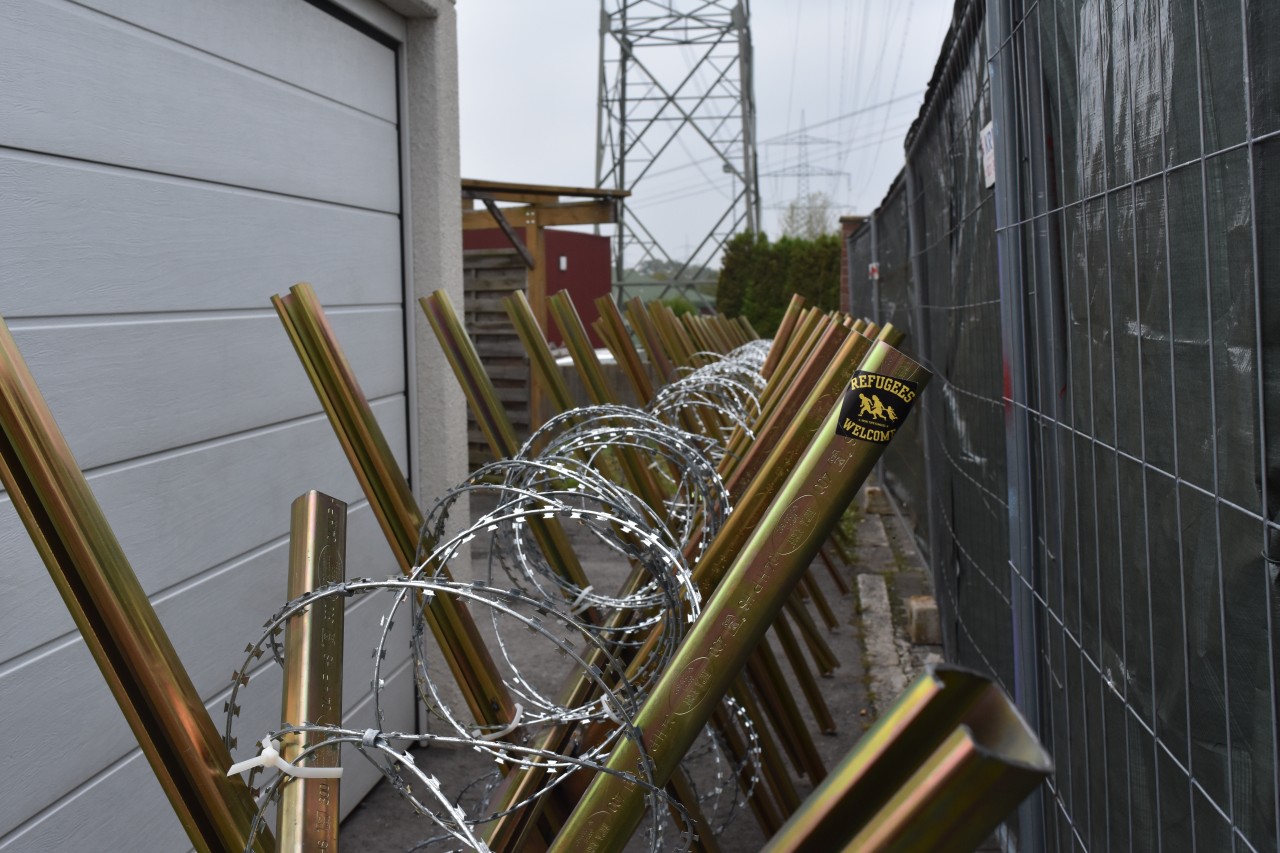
608, 710
504, 731
580, 603
270, 757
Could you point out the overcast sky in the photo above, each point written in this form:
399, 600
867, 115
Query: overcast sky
528, 77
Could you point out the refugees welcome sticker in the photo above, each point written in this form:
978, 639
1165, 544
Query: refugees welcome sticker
875, 406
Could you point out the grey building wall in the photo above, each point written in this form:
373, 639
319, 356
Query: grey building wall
164, 169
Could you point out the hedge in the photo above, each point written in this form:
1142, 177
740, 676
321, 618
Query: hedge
757, 277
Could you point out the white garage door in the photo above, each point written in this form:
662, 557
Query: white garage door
165, 166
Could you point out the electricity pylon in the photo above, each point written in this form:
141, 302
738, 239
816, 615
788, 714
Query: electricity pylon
677, 72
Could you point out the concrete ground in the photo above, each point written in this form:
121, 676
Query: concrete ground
876, 662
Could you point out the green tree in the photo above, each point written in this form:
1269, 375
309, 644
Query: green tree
658, 269
737, 267
757, 277
809, 218
680, 306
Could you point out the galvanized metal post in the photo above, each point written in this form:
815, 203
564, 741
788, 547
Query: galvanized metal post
1009, 253
875, 263
928, 416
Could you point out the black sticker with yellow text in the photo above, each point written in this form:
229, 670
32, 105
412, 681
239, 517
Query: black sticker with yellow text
875, 406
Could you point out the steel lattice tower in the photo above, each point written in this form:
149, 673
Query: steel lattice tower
677, 72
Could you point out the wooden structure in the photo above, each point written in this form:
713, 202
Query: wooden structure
528, 210
577, 261
533, 207
490, 275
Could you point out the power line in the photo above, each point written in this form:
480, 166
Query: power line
783, 136
844, 54
849, 114
862, 43
684, 192
795, 54
856, 143
906, 28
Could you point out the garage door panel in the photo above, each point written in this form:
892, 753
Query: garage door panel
78, 238
125, 389
259, 701
108, 92
210, 622
143, 821
97, 817
179, 515
164, 168
233, 605
290, 40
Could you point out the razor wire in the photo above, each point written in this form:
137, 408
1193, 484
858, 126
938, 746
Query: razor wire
510, 747
565, 474
724, 393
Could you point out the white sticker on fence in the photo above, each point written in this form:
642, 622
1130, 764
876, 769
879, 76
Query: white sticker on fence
988, 143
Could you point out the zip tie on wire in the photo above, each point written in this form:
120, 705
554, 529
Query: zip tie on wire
608, 711
580, 603
270, 757
505, 730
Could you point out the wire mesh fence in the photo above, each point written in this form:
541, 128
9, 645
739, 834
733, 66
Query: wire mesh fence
1100, 484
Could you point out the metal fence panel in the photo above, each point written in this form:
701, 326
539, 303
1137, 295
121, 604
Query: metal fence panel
1100, 502
858, 249
903, 462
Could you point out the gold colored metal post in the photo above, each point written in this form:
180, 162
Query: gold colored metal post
642, 322
939, 771
757, 481
786, 374
307, 816
673, 338
623, 350
798, 345
390, 498
891, 335
813, 696
515, 828
639, 478
782, 338
579, 345
542, 365
508, 832
115, 618
732, 331
816, 494
702, 337
748, 453
489, 413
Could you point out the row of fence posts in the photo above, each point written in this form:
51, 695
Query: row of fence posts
939, 770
